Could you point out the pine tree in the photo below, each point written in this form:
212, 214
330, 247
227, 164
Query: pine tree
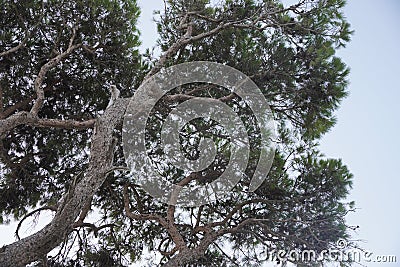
61, 137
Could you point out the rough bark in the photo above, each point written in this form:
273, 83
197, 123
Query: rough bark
34, 247
77, 201
192, 255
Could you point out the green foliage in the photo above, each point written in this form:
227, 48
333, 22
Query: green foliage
39, 164
301, 205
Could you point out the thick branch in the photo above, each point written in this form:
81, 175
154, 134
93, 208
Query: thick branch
17, 47
27, 118
1, 101
52, 208
183, 182
168, 225
85, 210
45, 68
184, 40
141, 216
64, 124
192, 255
35, 246
5, 112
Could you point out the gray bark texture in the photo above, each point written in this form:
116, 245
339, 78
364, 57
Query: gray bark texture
37, 245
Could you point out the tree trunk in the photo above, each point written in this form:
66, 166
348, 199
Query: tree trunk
37, 245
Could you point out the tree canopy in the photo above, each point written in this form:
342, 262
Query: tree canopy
61, 143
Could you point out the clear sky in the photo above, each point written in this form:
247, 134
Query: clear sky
366, 135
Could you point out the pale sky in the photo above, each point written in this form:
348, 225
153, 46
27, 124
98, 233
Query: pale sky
366, 136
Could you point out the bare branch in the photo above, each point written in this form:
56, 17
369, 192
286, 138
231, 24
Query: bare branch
52, 208
23, 103
27, 118
140, 216
85, 211
13, 121
164, 252
64, 124
1, 102
17, 47
93, 227
10, 110
168, 225
33, 247
191, 255
45, 68
183, 182
184, 40
198, 218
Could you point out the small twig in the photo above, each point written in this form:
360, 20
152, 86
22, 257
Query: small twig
52, 208
164, 252
198, 219
226, 255
168, 225
93, 227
